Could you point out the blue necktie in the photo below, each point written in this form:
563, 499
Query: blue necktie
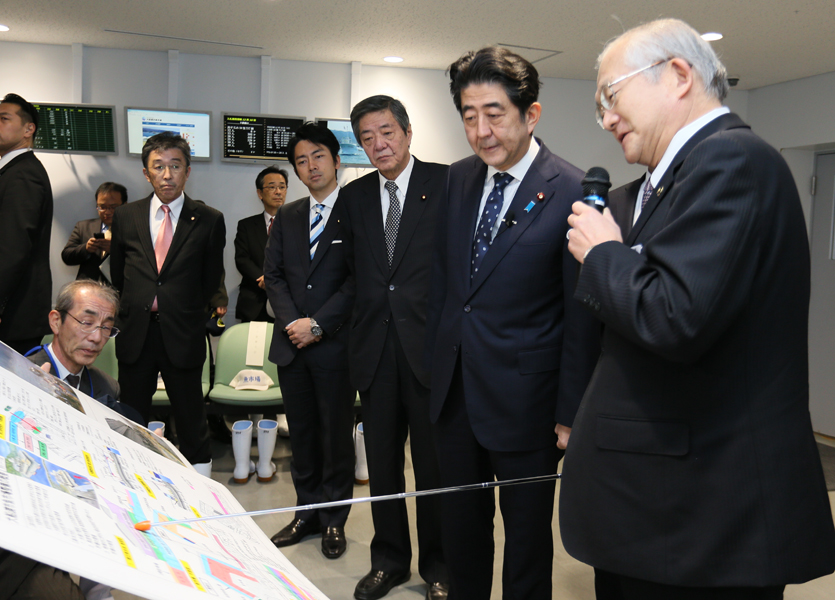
492, 208
316, 228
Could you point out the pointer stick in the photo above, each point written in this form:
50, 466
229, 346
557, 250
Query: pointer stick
146, 525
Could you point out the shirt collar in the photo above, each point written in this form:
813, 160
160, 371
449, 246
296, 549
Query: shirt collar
402, 180
62, 370
176, 206
8, 157
329, 201
520, 169
680, 139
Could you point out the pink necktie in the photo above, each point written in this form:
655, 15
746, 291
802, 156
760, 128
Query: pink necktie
164, 235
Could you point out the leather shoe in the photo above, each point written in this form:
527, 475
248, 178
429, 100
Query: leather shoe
295, 532
333, 542
378, 583
437, 591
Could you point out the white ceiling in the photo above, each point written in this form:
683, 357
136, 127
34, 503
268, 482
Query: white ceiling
766, 41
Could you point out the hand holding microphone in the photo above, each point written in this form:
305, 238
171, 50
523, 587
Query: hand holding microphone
591, 224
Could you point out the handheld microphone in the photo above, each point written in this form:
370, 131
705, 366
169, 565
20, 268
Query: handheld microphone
596, 186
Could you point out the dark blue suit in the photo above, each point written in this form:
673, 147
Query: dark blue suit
512, 353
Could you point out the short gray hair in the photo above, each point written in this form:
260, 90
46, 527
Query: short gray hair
66, 296
665, 39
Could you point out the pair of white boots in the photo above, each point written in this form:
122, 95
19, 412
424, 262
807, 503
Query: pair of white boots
242, 446
361, 469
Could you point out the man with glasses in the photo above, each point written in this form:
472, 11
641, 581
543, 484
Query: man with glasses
271, 187
89, 243
692, 471
167, 262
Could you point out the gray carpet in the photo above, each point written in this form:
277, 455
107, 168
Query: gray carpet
828, 461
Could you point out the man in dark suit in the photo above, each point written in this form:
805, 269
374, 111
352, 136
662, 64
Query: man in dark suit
25, 228
311, 293
271, 187
167, 261
84, 248
692, 470
389, 234
511, 351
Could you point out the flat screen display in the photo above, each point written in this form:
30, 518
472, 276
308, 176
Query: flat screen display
252, 138
195, 127
75, 129
350, 152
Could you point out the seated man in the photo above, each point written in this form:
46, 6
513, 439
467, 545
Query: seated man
82, 322
89, 243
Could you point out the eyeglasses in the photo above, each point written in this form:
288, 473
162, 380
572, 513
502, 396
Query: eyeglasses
608, 102
111, 208
87, 327
160, 169
272, 188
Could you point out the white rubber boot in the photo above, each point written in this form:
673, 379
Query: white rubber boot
361, 471
205, 469
283, 427
267, 430
241, 448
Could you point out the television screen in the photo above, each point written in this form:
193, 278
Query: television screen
75, 129
251, 138
194, 126
350, 152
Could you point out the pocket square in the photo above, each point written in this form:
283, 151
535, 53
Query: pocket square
336, 242
639, 248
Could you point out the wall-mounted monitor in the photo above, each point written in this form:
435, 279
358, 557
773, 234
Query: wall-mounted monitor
255, 138
350, 152
194, 126
75, 129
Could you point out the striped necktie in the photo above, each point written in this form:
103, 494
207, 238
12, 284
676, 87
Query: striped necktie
317, 225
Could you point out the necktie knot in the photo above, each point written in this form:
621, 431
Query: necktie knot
647, 193
73, 380
391, 187
501, 180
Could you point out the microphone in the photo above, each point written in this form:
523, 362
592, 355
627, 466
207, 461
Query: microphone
509, 218
596, 186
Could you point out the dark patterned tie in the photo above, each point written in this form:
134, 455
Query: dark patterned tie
73, 380
316, 228
392, 219
492, 208
647, 193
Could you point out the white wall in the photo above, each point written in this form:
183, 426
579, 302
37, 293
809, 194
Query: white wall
788, 115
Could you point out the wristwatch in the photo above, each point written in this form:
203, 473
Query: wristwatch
315, 329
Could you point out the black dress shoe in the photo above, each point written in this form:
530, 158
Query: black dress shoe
333, 542
437, 591
295, 532
378, 583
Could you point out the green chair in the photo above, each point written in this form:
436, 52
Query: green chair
160, 397
231, 359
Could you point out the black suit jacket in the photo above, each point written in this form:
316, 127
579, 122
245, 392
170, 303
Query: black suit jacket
189, 277
250, 241
299, 287
25, 229
527, 349
692, 460
75, 252
400, 292
622, 204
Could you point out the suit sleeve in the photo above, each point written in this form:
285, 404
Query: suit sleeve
337, 310
693, 277
212, 261
21, 207
275, 278
75, 252
244, 261
438, 278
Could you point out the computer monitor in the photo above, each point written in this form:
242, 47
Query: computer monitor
350, 152
255, 138
75, 129
194, 126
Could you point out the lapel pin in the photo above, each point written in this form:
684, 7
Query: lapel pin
660, 191
192, 218
423, 197
529, 206
540, 197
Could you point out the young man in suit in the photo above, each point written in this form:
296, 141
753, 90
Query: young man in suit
83, 248
388, 236
311, 294
692, 470
512, 351
167, 262
25, 229
271, 187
